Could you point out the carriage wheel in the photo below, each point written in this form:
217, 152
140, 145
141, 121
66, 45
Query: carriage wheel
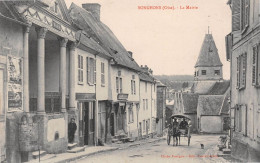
168, 139
188, 140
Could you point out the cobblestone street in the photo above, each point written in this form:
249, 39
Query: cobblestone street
160, 151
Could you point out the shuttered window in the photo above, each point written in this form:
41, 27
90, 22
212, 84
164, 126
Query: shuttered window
80, 69
235, 15
102, 74
241, 71
244, 14
254, 65
91, 70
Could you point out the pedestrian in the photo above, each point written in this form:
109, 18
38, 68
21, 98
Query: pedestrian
72, 127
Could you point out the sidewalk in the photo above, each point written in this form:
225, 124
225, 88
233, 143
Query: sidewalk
68, 157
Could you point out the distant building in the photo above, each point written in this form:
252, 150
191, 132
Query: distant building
161, 106
208, 65
208, 97
148, 96
243, 52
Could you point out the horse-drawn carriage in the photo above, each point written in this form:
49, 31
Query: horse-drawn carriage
176, 130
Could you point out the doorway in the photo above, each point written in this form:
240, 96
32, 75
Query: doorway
88, 123
112, 124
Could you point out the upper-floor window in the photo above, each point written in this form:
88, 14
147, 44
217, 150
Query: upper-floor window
244, 14
241, 71
256, 66
197, 73
80, 69
102, 74
144, 104
217, 72
91, 70
119, 85
145, 86
203, 72
133, 86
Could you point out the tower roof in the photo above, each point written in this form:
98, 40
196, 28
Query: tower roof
208, 56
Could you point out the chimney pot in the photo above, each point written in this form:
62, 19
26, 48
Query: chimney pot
93, 8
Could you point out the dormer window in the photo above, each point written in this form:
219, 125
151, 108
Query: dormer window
55, 7
217, 72
203, 72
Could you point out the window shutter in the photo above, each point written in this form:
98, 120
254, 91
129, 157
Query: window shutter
78, 61
244, 60
238, 80
257, 66
95, 72
235, 15
254, 65
88, 70
246, 13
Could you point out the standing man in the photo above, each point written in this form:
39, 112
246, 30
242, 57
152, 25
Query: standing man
72, 127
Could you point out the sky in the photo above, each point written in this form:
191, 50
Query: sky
167, 41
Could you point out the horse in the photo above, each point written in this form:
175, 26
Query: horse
176, 134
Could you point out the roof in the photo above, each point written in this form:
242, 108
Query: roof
103, 35
225, 108
203, 87
89, 42
146, 77
210, 105
160, 84
190, 102
208, 56
219, 88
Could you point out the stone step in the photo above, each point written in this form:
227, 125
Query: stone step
35, 154
131, 140
44, 158
76, 150
226, 151
71, 146
114, 140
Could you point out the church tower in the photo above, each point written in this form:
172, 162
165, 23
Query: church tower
208, 65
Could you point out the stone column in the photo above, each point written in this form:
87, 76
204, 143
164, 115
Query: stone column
41, 33
72, 95
26, 96
63, 44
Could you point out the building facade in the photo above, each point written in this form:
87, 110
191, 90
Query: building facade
147, 112
243, 53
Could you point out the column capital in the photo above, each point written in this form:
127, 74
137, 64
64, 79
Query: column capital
28, 27
41, 32
73, 45
63, 41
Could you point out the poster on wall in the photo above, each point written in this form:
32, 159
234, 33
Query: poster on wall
14, 70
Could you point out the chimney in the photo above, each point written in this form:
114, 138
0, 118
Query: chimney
145, 68
150, 71
131, 54
93, 8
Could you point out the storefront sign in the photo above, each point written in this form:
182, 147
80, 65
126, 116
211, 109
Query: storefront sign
122, 96
85, 96
14, 83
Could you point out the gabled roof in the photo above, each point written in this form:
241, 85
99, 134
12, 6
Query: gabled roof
208, 56
210, 105
103, 35
190, 102
220, 88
